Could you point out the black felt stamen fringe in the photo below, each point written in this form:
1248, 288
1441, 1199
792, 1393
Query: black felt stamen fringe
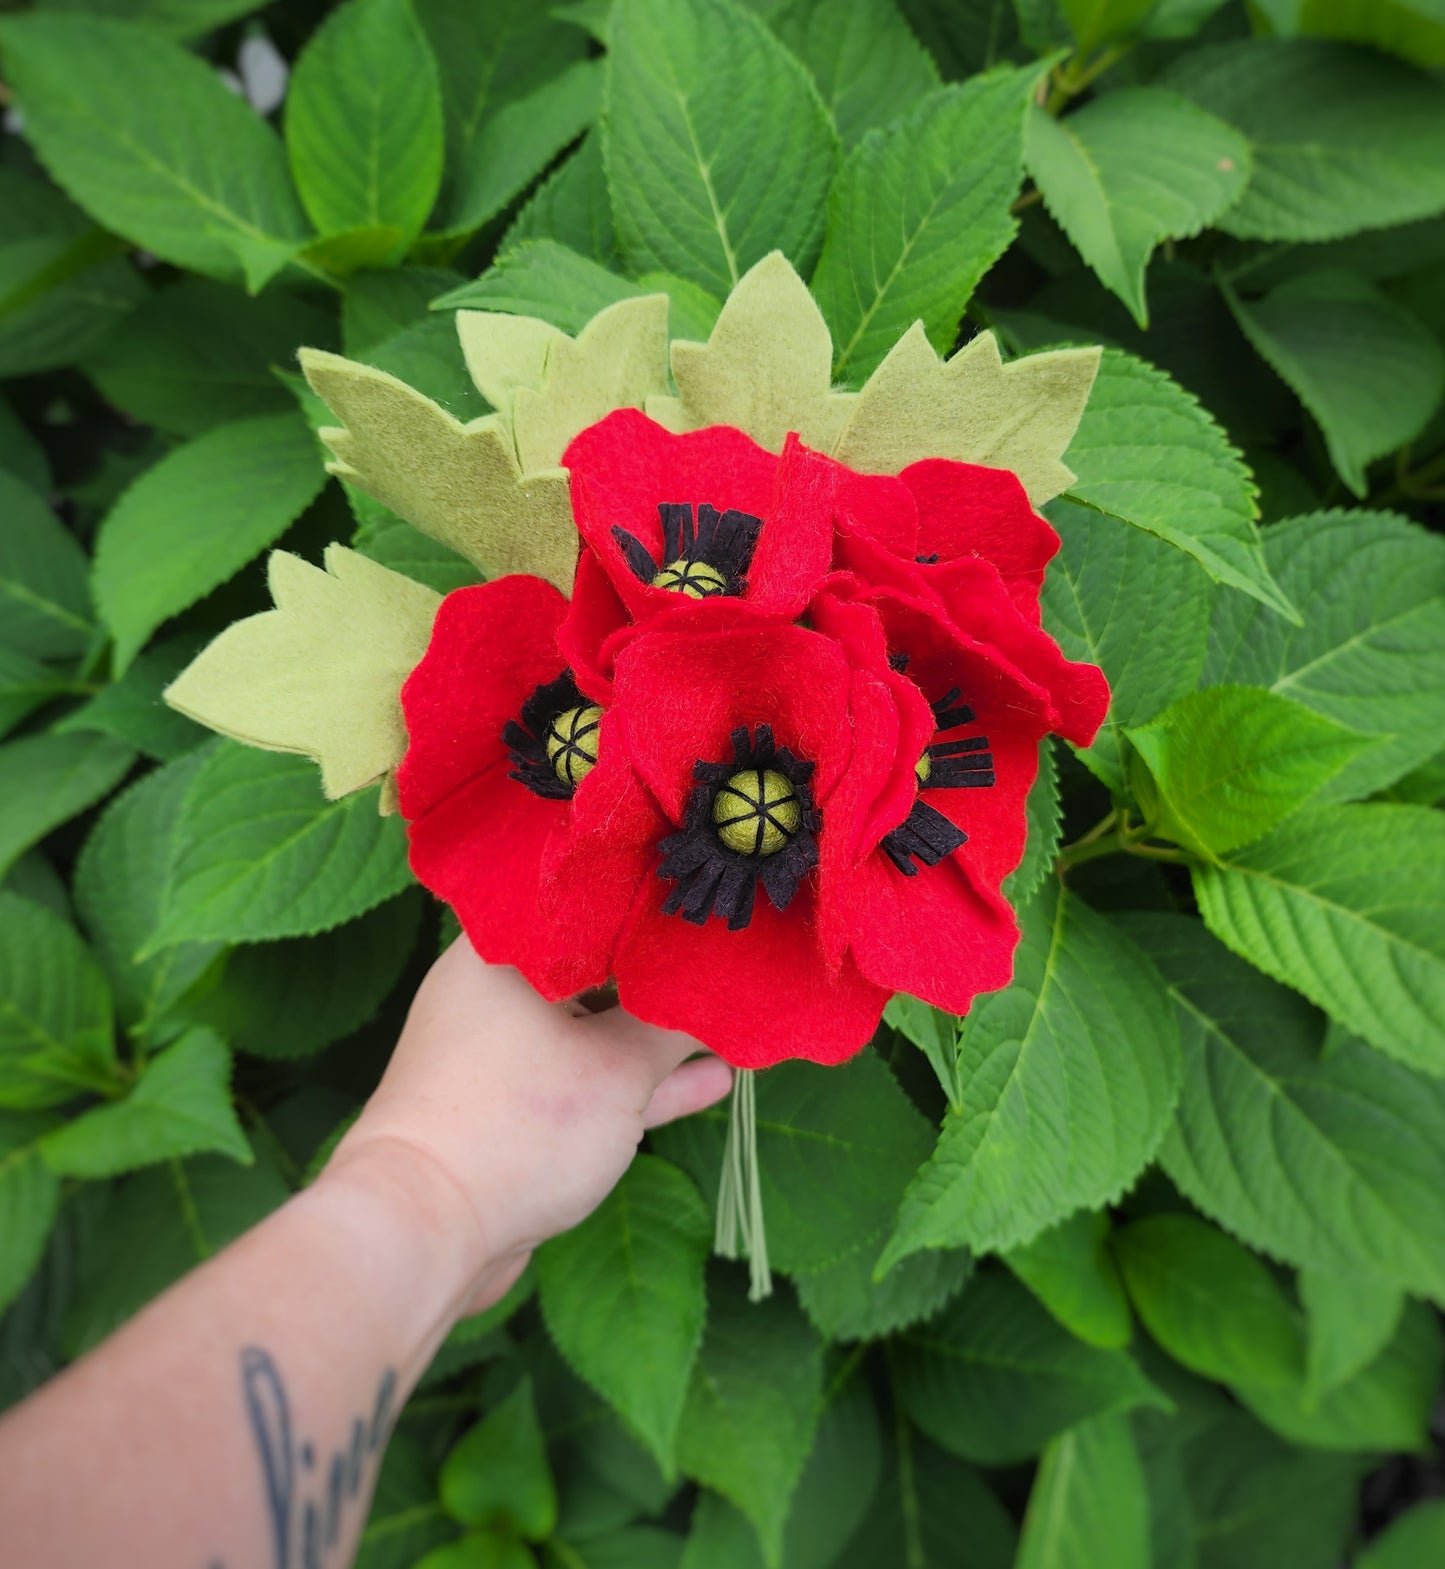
710, 878
526, 742
926, 836
724, 541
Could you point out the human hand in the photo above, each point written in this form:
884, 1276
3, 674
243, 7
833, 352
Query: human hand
505, 1119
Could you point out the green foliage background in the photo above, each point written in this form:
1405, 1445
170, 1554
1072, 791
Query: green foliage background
1139, 1265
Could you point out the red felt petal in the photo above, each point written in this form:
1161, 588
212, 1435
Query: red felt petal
756, 996
994, 818
879, 508
594, 616
491, 647
681, 693
796, 542
480, 849
934, 935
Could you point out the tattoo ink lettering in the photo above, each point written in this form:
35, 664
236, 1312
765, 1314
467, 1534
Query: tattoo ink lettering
270, 1415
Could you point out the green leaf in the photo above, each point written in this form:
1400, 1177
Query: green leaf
498, 1473
1135, 606
25, 685
21, 454
158, 1226
289, 999
1368, 370
994, 1377
249, 481
131, 709
1130, 169
623, 1297
1228, 763
178, 18
693, 89
260, 854
1095, 22
918, 214
1349, 1321
1209, 1302
198, 354
1146, 452
1371, 589
571, 206
1068, 1079
112, 110
29, 1202
1343, 139
1088, 1505
544, 279
864, 58
845, 1302
1070, 1270
44, 597
120, 882
934, 1033
1410, 1541
1344, 903
1384, 1407
364, 123
836, 1147
1412, 29
47, 779
180, 1105
406, 1517
1045, 819
1326, 1162
753, 1405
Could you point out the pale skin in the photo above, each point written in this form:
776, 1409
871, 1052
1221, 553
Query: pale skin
238, 1422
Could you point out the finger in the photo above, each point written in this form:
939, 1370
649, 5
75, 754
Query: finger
695, 1085
659, 1050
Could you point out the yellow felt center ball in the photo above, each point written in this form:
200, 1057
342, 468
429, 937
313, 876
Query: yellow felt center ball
923, 768
696, 579
757, 811
571, 743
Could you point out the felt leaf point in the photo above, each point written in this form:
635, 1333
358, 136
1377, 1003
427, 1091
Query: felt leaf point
972, 408
321, 674
766, 368
459, 483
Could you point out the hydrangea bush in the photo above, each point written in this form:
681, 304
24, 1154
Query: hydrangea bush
1134, 1258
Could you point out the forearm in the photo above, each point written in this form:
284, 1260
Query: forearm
239, 1421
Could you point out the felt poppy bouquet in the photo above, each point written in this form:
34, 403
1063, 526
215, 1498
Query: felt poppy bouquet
744, 716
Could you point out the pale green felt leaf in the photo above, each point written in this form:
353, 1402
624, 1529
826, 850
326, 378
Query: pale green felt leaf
158, 1226
132, 709
994, 1377
458, 483
864, 58
516, 144
1088, 1505
1124, 600
250, 481
1328, 1163
1147, 452
571, 206
113, 109
693, 89
1347, 905
364, 122
845, 1302
766, 368
180, 1105
504, 352
29, 1201
1095, 22
44, 597
633, 1333
972, 408
753, 1405
46, 779
1411, 1540
1070, 1270
1228, 763
55, 1012
1412, 29
321, 674
836, 1147
120, 881
1349, 1319
1368, 370
928, 1503
1371, 589
260, 855
918, 214
1385, 1407
1209, 1302
1343, 139
1130, 169
499, 1473
1068, 1080
289, 999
